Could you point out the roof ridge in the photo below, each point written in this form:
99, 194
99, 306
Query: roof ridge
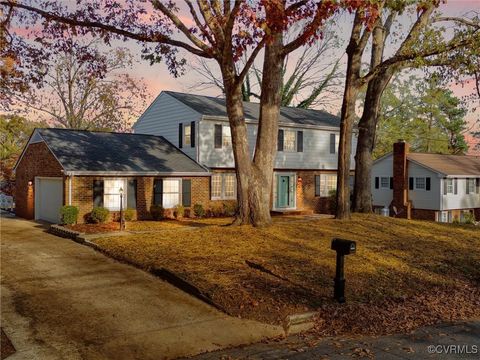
97, 131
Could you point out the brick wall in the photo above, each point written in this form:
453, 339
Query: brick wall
400, 179
422, 214
306, 197
82, 195
36, 161
477, 214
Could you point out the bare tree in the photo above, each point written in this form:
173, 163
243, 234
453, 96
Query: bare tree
85, 89
310, 77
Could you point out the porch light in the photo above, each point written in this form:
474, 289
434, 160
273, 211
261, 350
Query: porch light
122, 219
30, 183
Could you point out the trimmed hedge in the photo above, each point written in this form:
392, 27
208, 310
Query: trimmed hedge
157, 212
99, 215
69, 214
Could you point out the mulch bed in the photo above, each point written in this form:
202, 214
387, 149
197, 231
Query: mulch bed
6, 348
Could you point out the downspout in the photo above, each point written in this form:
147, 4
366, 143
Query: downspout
70, 178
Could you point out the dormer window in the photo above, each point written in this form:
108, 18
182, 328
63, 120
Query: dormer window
187, 134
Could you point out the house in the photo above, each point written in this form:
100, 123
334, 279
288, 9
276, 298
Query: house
305, 169
85, 169
179, 154
427, 186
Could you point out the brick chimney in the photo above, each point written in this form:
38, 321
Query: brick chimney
400, 179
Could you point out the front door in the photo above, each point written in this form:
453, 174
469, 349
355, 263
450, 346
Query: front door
283, 191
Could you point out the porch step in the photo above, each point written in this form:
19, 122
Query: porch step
291, 212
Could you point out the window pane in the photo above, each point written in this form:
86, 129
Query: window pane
385, 182
216, 185
111, 197
226, 136
449, 184
171, 193
187, 132
229, 180
420, 183
289, 140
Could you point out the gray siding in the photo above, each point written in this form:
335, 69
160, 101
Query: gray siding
422, 199
162, 118
315, 155
383, 167
461, 200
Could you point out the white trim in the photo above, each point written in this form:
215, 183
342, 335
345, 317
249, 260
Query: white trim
70, 178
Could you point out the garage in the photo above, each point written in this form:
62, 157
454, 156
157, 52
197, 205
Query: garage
48, 198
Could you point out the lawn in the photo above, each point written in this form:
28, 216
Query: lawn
405, 273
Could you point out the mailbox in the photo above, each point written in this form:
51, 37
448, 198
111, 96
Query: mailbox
344, 247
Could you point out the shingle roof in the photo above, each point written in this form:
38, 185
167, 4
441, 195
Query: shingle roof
448, 164
88, 151
212, 106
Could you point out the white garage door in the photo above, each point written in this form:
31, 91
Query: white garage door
48, 199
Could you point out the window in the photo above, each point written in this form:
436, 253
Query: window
385, 182
471, 186
224, 186
420, 183
289, 140
443, 216
448, 184
111, 195
325, 184
187, 134
226, 136
171, 193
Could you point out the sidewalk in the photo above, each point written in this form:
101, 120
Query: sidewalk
447, 341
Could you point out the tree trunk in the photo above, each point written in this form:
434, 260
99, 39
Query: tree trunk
254, 178
362, 192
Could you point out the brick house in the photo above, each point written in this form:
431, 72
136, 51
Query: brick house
427, 186
85, 169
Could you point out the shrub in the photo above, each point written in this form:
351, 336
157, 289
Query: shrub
216, 210
157, 212
99, 215
469, 218
179, 211
69, 214
129, 214
198, 210
230, 208
332, 201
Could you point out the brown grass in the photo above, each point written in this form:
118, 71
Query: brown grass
396, 261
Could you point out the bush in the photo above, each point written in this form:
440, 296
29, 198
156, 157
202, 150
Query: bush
469, 218
216, 210
179, 211
332, 201
157, 212
198, 210
69, 214
129, 214
230, 208
99, 215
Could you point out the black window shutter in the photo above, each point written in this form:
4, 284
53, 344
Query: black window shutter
427, 184
218, 136
478, 185
455, 186
410, 183
317, 185
132, 194
299, 141
158, 192
180, 135
280, 140
192, 133
377, 182
391, 182
333, 141
98, 193
187, 192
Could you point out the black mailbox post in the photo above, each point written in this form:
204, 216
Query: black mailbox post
342, 247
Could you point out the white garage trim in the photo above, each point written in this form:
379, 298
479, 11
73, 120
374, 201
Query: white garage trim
47, 205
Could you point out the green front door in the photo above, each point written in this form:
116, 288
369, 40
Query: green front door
283, 191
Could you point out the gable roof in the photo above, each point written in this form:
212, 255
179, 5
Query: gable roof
448, 164
212, 106
91, 152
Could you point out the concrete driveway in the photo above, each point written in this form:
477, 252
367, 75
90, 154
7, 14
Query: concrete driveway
62, 300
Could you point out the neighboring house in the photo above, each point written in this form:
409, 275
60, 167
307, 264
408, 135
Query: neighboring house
305, 170
86, 169
427, 186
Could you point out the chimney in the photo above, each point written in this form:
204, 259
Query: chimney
400, 178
